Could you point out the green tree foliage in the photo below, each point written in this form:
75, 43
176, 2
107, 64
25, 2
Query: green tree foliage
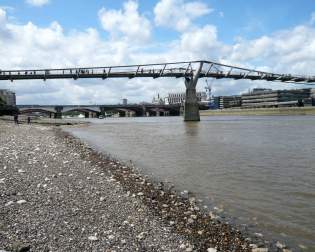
2, 102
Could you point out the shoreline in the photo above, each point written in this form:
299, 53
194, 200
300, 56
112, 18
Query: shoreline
178, 212
256, 241
45, 121
284, 111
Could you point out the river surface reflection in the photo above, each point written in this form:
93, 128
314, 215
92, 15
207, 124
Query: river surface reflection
259, 169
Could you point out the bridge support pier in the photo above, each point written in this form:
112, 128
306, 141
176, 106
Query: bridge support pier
191, 109
58, 114
191, 106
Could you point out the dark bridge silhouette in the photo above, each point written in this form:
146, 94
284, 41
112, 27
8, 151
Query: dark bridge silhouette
57, 111
190, 70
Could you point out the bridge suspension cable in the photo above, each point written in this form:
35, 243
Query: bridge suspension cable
185, 69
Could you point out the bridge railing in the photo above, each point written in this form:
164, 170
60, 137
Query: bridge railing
178, 67
174, 69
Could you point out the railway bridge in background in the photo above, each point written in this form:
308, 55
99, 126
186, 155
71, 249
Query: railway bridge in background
191, 71
56, 111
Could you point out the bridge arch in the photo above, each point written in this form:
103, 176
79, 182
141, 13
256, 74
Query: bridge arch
88, 112
49, 112
123, 112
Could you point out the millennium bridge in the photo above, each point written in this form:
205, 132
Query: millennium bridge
191, 71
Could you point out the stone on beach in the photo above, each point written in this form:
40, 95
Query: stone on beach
280, 245
260, 250
111, 237
20, 202
9, 203
211, 250
93, 238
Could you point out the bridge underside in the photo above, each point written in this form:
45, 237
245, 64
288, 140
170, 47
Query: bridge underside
51, 114
58, 111
88, 113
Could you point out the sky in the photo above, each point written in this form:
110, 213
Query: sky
276, 36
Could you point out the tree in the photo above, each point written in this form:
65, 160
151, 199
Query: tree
2, 102
7, 110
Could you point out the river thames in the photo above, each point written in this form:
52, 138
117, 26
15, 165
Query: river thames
258, 170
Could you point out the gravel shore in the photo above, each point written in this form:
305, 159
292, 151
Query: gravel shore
56, 194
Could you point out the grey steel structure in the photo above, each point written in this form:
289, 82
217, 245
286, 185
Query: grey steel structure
190, 70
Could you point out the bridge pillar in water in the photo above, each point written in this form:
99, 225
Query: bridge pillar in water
58, 113
191, 106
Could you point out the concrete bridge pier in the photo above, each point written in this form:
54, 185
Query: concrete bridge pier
191, 107
58, 114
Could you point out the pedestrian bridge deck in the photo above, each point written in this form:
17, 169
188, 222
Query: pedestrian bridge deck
176, 69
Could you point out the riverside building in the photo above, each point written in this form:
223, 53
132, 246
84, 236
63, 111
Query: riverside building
8, 97
179, 98
233, 101
262, 98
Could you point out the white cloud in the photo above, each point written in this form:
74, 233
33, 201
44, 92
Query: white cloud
179, 14
3, 17
37, 2
285, 51
127, 23
200, 40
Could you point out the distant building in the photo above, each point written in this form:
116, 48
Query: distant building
158, 100
125, 101
215, 104
234, 101
8, 97
259, 98
179, 98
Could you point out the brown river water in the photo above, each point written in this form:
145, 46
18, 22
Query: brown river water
259, 169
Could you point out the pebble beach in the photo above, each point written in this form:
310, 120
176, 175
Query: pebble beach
58, 194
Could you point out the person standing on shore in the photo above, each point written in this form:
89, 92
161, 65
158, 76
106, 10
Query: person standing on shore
16, 119
28, 120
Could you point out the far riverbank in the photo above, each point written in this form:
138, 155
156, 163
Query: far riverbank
260, 111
